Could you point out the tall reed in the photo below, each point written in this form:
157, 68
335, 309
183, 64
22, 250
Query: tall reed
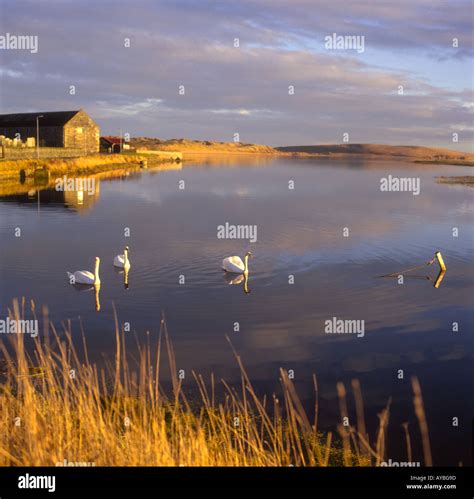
57, 406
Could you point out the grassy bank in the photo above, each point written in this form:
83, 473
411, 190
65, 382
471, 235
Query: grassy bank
418, 154
187, 146
11, 186
56, 406
74, 166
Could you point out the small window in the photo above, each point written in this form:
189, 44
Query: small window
79, 129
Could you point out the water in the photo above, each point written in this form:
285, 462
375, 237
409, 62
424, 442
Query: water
300, 232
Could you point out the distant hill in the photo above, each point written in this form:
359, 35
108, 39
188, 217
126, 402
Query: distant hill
415, 153
411, 153
199, 146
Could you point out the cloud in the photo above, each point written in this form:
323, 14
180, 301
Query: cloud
245, 89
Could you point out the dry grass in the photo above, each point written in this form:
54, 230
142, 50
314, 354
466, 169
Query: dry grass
200, 146
56, 407
57, 167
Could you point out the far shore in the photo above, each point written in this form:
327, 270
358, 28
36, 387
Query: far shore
418, 154
457, 180
154, 151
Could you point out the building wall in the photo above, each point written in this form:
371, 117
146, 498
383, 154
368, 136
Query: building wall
45, 153
50, 136
81, 132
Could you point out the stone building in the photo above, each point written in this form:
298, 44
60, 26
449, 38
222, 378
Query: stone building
67, 129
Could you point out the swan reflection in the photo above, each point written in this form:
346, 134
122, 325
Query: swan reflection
237, 279
81, 288
124, 273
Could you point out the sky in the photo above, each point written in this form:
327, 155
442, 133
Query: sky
257, 68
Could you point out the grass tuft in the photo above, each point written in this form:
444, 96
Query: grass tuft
57, 406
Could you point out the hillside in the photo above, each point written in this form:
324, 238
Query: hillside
199, 146
414, 153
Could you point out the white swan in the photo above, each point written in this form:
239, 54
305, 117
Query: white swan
86, 277
122, 261
235, 264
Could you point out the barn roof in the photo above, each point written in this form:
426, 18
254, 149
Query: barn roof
112, 140
55, 118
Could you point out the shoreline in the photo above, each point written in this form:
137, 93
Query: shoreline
466, 180
18, 169
333, 156
11, 169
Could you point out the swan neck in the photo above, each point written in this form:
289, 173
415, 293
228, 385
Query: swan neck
125, 277
246, 284
246, 264
96, 273
97, 298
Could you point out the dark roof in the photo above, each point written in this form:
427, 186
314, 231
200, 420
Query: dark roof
112, 140
56, 118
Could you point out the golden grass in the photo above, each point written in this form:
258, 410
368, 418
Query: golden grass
187, 146
62, 166
57, 407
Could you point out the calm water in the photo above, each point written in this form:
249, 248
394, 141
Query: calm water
300, 233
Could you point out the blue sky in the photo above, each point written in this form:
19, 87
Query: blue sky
244, 89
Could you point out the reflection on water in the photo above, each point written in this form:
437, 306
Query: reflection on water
47, 190
45, 197
436, 282
238, 279
304, 272
404, 274
81, 288
124, 273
